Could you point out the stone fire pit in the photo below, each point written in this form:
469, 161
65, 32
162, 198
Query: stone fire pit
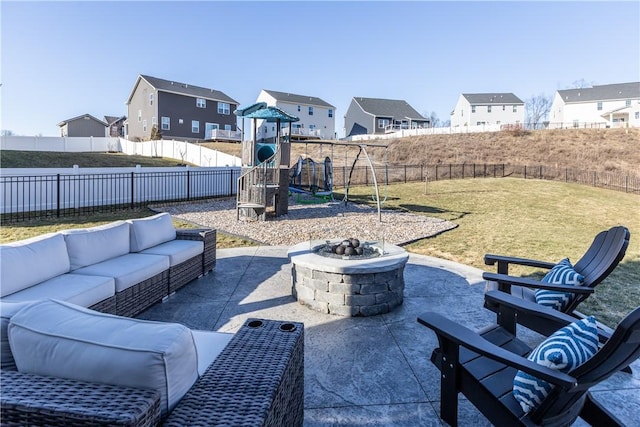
348, 285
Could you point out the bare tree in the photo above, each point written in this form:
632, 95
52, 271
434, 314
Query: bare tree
7, 132
434, 121
537, 109
581, 84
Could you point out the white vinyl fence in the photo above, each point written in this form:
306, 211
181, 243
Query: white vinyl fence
185, 152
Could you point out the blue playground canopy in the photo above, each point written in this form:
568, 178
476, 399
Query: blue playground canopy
261, 111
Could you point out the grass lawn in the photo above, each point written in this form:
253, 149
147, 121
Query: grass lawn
528, 218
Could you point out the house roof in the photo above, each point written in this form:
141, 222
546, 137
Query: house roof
395, 108
112, 119
64, 122
602, 92
298, 99
497, 98
185, 89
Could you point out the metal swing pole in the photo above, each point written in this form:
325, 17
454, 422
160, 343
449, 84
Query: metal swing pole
375, 181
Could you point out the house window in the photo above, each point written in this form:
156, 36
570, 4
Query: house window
488, 108
599, 105
139, 116
627, 103
165, 123
224, 108
150, 99
312, 127
154, 121
195, 126
330, 112
201, 103
227, 127
383, 123
637, 115
473, 108
311, 111
144, 126
515, 108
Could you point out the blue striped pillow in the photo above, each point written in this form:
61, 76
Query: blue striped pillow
565, 350
561, 274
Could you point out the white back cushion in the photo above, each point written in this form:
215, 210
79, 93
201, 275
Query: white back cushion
88, 246
7, 310
28, 262
151, 231
63, 340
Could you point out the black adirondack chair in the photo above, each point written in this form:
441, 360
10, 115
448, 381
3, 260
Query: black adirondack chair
482, 366
606, 251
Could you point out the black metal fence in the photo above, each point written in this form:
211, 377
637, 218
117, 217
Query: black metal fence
42, 196
362, 175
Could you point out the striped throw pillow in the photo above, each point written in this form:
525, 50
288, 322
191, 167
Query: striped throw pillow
565, 350
561, 274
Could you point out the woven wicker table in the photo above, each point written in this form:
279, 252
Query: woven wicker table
257, 380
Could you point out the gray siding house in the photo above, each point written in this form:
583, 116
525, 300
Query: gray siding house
85, 125
374, 115
178, 110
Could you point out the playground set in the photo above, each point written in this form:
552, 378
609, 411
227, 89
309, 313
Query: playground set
267, 179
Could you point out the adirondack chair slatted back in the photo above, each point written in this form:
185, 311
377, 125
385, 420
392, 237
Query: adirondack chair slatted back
618, 352
604, 254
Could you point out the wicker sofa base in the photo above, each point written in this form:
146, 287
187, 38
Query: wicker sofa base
257, 380
33, 400
106, 306
185, 272
139, 297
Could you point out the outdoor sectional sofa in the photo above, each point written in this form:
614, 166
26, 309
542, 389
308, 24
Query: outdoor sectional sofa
72, 355
122, 267
76, 366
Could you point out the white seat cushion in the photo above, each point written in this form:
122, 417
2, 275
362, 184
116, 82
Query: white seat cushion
7, 310
208, 346
31, 261
178, 251
63, 340
151, 231
127, 270
74, 288
87, 246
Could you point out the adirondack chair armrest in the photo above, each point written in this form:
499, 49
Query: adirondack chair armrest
450, 333
506, 280
504, 262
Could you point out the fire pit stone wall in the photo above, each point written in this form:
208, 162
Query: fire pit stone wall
348, 287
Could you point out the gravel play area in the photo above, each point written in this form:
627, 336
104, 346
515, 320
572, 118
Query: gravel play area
311, 222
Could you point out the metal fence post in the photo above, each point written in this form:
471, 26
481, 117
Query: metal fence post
132, 189
58, 196
189, 184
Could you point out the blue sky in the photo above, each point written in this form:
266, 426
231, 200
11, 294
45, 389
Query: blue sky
64, 59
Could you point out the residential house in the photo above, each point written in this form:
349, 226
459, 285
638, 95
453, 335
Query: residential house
317, 117
115, 125
179, 111
85, 125
475, 109
612, 105
379, 116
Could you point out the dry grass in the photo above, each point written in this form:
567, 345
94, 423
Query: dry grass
599, 150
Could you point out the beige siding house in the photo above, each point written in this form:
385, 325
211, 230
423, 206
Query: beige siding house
475, 109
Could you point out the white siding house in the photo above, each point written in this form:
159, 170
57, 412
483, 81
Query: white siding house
317, 117
613, 105
475, 109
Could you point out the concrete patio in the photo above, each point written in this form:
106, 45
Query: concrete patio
372, 371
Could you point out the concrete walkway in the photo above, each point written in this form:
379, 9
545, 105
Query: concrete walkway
365, 371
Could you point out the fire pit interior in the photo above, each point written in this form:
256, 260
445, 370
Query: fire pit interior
348, 277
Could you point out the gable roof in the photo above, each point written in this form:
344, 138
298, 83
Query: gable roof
112, 119
395, 108
492, 98
82, 116
602, 92
298, 99
183, 89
